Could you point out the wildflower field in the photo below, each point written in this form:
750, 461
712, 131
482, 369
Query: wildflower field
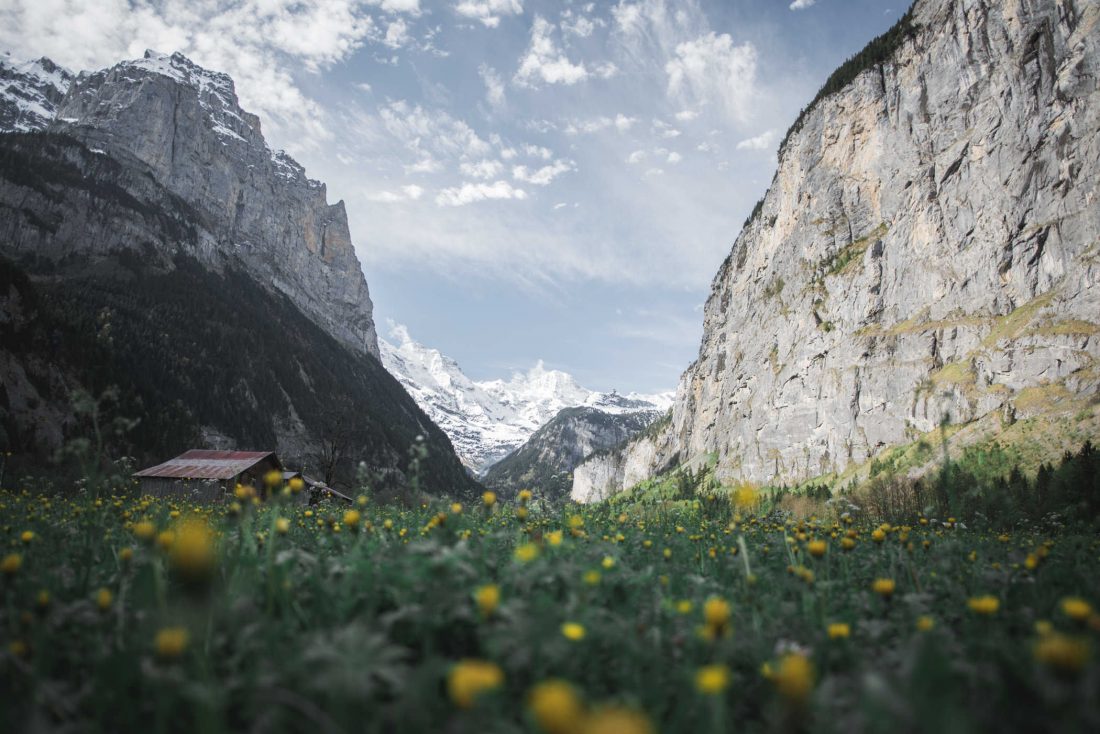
123, 613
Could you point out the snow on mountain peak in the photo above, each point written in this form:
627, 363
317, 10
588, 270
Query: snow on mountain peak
488, 419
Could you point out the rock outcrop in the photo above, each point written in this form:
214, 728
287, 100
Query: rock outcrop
182, 126
929, 249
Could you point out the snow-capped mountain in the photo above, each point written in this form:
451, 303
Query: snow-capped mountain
488, 419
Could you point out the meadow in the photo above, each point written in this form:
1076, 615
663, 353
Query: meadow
123, 613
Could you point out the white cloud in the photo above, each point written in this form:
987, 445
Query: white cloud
427, 164
412, 192
537, 151
541, 176
686, 115
579, 25
802, 4
620, 122
763, 141
488, 12
487, 168
468, 193
432, 131
636, 157
494, 86
545, 61
363, 86
711, 67
398, 6
674, 157
397, 34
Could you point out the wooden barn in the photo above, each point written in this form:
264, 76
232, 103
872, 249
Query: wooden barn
205, 476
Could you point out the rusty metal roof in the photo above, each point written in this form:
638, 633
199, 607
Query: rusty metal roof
203, 464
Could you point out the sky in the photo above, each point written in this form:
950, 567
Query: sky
525, 180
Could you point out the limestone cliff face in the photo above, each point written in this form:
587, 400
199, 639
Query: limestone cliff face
929, 248
182, 125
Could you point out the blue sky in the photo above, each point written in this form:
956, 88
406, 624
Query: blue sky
525, 179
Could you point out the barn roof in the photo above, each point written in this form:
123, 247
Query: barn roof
203, 464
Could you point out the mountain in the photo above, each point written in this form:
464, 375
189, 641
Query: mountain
927, 252
153, 241
487, 420
544, 462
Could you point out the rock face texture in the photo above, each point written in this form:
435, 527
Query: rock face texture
928, 249
545, 462
182, 126
154, 252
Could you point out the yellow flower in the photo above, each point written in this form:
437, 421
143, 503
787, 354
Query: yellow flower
608, 562
352, 518
456, 508
617, 721
1043, 627
43, 599
573, 631
193, 553
554, 538
11, 564
847, 544
521, 513
878, 535
387, 524
282, 526
716, 615
27, 536
925, 623
839, 631
794, 679
1062, 653
556, 707
884, 587
18, 648
712, 679
524, 496
469, 679
489, 498
527, 552
984, 605
591, 577
244, 492
165, 540
684, 606
170, 642
126, 555
297, 484
488, 599
1076, 608
817, 548
103, 599
745, 497
145, 531
273, 479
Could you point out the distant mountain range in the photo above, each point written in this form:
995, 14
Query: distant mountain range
487, 420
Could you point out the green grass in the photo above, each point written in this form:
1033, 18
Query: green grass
344, 626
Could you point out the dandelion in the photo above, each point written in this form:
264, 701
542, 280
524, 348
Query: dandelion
711, 680
684, 606
18, 648
470, 679
488, 599
27, 537
1076, 608
817, 548
126, 555
524, 496
489, 498
282, 526
1043, 627
794, 678
716, 617
11, 564
165, 540
984, 605
456, 508
42, 600
273, 479
1062, 653
103, 599
170, 642
591, 577
847, 544
554, 538
556, 707
144, 531
878, 535
573, 631
839, 631
608, 563
925, 623
527, 552
351, 519
884, 587
296, 485
617, 721
192, 552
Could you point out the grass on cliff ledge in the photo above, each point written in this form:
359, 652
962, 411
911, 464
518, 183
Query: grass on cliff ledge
122, 613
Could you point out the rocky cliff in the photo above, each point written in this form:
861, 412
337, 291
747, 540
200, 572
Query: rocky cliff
928, 250
182, 126
155, 251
